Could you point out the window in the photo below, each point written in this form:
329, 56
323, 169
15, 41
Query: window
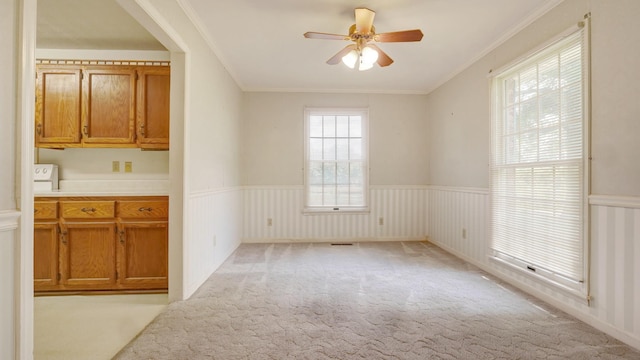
336, 154
538, 182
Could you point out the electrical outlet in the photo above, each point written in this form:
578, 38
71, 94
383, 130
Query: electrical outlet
381, 221
115, 166
128, 167
269, 222
464, 233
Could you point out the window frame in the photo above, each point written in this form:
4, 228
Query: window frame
580, 289
333, 111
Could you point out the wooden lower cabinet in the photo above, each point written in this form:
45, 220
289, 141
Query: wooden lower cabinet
88, 255
101, 244
143, 255
45, 256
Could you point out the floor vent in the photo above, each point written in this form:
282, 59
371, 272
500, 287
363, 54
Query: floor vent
341, 244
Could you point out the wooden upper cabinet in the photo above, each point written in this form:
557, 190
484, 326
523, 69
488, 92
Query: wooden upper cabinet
58, 109
109, 102
153, 107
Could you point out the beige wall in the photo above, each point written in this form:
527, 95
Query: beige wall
8, 78
459, 111
273, 136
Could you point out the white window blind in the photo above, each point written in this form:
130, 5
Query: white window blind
538, 157
336, 159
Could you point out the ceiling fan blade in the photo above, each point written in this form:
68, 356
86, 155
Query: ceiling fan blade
338, 57
364, 20
383, 58
324, 36
399, 36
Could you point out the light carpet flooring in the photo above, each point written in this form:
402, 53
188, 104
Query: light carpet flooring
93, 327
407, 300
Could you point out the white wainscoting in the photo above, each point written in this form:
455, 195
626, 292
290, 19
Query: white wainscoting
212, 230
8, 226
403, 210
615, 256
615, 265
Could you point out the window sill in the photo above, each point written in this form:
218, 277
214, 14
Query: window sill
336, 210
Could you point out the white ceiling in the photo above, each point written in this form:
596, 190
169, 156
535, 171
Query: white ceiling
261, 42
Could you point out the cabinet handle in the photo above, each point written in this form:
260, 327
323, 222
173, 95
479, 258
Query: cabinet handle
85, 130
142, 130
88, 210
145, 209
39, 129
63, 237
121, 233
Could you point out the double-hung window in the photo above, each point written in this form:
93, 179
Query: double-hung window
538, 165
336, 168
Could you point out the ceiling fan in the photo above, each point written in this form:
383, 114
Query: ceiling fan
363, 53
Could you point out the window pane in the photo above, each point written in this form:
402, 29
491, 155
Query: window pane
329, 151
342, 126
549, 75
549, 144
342, 149
512, 93
329, 173
357, 196
315, 126
315, 149
357, 173
528, 115
355, 149
315, 173
343, 173
342, 195
511, 119
329, 196
549, 108
528, 83
355, 126
329, 125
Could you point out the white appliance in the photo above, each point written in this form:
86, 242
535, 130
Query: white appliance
45, 177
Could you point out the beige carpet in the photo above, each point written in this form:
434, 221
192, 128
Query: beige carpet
92, 327
367, 301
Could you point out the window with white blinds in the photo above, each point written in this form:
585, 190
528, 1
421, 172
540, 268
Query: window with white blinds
538, 163
336, 159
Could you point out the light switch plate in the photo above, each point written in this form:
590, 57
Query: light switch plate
115, 166
128, 167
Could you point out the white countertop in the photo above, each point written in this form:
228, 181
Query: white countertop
108, 188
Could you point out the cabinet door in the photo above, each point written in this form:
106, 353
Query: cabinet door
143, 255
45, 256
109, 99
87, 255
153, 107
58, 109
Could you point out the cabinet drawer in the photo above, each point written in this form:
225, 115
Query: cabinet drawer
87, 209
45, 210
143, 209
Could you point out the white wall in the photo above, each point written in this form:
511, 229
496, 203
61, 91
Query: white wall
210, 139
273, 136
8, 212
615, 223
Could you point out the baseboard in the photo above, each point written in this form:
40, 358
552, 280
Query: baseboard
328, 240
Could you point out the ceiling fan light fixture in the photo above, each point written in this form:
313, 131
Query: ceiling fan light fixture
369, 55
351, 59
